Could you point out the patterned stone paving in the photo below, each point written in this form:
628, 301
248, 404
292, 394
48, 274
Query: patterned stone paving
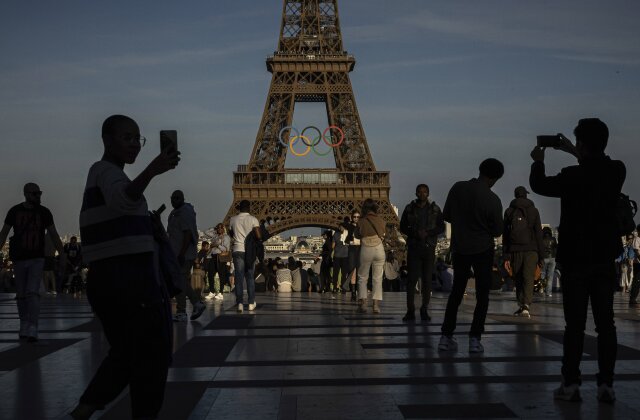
307, 356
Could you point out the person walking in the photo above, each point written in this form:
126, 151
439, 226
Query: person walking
371, 231
340, 258
241, 225
475, 214
123, 287
522, 247
183, 236
422, 222
354, 253
31, 223
588, 245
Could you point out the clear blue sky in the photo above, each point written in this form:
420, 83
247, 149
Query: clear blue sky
440, 85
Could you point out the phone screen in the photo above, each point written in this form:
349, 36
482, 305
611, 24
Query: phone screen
168, 140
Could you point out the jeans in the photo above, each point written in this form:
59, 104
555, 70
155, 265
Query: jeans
371, 257
523, 264
216, 267
194, 297
242, 272
134, 311
420, 266
548, 272
581, 282
340, 265
482, 265
28, 275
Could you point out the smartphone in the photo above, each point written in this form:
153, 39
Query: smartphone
161, 209
168, 140
549, 141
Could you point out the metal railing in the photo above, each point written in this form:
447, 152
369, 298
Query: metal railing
311, 177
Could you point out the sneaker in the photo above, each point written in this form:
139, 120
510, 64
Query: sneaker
567, 393
54, 293
447, 344
606, 394
519, 311
547, 294
180, 317
210, 296
475, 346
525, 313
240, 307
218, 296
252, 306
198, 309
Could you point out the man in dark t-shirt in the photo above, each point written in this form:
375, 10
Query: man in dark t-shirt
30, 223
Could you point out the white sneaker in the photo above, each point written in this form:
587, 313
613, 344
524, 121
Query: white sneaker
606, 394
210, 296
252, 306
525, 313
568, 393
180, 317
240, 307
219, 296
447, 343
475, 346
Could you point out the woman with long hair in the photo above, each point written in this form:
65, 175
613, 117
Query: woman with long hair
371, 230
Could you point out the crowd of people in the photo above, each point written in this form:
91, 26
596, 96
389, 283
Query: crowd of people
136, 266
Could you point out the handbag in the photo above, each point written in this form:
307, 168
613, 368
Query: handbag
224, 257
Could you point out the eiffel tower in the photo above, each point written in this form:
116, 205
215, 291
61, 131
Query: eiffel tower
311, 65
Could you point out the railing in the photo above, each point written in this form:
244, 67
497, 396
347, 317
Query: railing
311, 177
310, 56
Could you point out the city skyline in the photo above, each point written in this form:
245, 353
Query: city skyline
439, 88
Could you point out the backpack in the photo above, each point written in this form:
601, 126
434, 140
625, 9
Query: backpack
519, 230
625, 211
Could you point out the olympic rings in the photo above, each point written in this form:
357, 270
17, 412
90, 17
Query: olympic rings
317, 138
294, 140
327, 138
286, 144
330, 144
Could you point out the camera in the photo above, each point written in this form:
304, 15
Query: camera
549, 141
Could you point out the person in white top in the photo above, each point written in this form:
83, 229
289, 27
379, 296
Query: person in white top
241, 226
284, 279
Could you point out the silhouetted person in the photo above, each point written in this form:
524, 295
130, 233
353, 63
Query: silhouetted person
635, 284
475, 214
183, 236
422, 222
522, 247
30, 222
588, 244
122, 287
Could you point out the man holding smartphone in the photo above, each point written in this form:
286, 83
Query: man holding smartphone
587, 248
122, 287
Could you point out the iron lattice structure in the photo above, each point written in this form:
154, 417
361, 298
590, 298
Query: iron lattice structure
310, 65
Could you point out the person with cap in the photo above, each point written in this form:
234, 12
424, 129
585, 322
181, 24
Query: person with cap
588, 245
523, 247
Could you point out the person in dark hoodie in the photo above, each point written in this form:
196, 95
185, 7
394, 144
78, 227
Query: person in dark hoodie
522, 245
422, 222
588, 244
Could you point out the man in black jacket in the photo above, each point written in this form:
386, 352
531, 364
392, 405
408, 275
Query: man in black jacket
422, 222
588, 245
522, 244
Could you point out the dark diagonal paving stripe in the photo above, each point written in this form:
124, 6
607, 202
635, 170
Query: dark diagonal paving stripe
92, 326
230, 322
204, 351
180, 398
591, 346
29, 352
457, 411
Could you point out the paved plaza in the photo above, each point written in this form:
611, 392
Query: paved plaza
308, 356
